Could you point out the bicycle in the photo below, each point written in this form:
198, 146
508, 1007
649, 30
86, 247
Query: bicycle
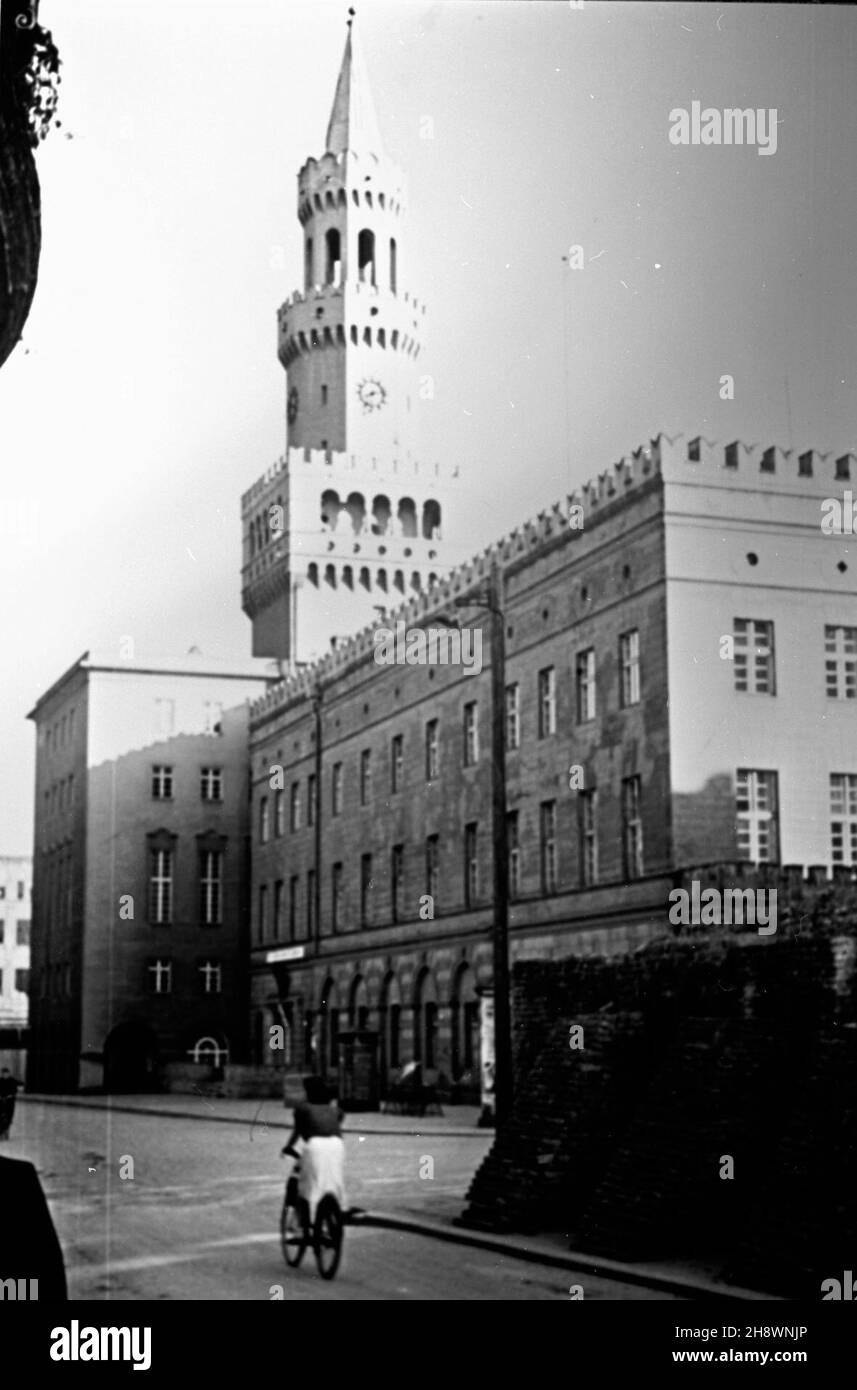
327, 1233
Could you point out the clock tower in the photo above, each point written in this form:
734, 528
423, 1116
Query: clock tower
351, 519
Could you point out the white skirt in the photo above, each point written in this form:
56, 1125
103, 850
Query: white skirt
322, 1171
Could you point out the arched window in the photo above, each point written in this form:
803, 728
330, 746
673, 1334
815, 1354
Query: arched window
330, 509
308, 269
312, 573
366, 256
328, 1029
389, 1029
425, 1021
348, 576
432, 579
333, 269
416, 582
365, 578
393, 264
380, 515
399, 581
382, 580
407, 516
431, 520
208, 1052
330, 575
358, 1004
356, 508
465, 1025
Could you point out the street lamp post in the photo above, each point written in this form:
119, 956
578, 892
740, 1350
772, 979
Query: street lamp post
491, 596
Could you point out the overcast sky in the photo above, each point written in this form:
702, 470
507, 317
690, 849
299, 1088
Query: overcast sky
147, 395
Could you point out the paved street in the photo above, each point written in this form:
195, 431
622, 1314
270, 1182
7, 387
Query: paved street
199, 1219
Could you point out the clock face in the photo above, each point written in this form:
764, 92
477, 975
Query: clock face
292, 410
371, 394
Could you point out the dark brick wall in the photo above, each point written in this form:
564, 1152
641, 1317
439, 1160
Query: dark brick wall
706, 1043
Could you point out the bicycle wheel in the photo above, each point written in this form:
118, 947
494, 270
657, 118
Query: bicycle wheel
294, 1235
327, 1237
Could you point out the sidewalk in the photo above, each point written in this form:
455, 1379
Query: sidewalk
457, 1122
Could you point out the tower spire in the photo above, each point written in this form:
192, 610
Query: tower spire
353, 124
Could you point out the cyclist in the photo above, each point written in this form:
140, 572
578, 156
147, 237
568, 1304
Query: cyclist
318, 1123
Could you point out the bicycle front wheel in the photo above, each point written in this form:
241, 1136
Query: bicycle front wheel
327, 1237
293, 1233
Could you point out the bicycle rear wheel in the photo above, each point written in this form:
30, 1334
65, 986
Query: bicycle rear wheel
294, 1235
327, 1237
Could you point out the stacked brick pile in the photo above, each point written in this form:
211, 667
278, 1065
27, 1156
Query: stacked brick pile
709, 1044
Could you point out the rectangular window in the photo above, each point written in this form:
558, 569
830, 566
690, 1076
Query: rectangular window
397, 881
295, 807
632, 826
210, 972
397, 763
311, 798
513, 717
587, 810
278, 909
264, 820
162, 783
211, 880
431, 750
336, 790
336, 897
757, 830
433, 868
2, 929
547, 702
310, 903
211, 784
22, 934
585, 673
471, 866
279, 812
22, 981
843, 813
294, 889
629, 662
263, 912
514, 849
547, 821
840, 662
161, 887
161, 976
365, 777
471, 734
365, 889
754, 656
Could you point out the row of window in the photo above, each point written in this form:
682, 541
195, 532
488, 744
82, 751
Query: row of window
757, 837
20, 890
58, 734
22, 932
60, 795
210, 783
470, 744
755, 667
159, 974
768, 460
161, 885
22, 981
283, 905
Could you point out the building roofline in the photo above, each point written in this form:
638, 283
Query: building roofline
211, 668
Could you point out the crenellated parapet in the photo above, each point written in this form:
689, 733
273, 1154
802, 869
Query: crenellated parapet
336, 315
673, 459
350, 179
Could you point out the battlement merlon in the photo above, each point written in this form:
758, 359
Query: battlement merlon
350, 173
330, 296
